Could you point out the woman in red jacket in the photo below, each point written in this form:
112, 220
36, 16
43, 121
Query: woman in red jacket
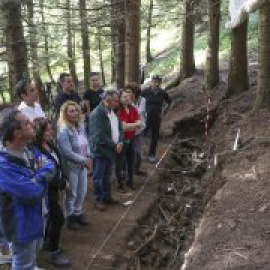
130, 120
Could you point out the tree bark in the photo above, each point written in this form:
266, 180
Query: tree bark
133, 41
263, 92
187, 62
46, 42
15, 42
71, 63
149, 56
101, 56
212, 57
119, 11
238, 71
34, 53
85, 43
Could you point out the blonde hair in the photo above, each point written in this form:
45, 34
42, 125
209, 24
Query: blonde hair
62, 121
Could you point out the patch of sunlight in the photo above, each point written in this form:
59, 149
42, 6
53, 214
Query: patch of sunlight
200, 57
164, 39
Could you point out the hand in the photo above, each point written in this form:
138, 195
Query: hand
119, 147
88, 163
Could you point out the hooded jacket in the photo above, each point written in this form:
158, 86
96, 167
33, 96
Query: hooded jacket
21, 191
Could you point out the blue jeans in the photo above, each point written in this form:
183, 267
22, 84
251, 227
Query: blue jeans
76, 194
102, 170
24, 255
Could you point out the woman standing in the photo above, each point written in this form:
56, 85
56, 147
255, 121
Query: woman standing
139, 103
73, 146
129, 118
44, 143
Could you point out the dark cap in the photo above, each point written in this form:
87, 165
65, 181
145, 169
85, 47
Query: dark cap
156, 78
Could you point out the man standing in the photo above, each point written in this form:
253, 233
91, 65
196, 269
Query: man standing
155, 97
93, 95
67, 92
29, 106
106, 139
22, 188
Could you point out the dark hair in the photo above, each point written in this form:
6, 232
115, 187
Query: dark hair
40, 126
21, 88
92, 74
63, 76
9, 124
135, 88
156, 78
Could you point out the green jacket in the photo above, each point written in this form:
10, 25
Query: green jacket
100, 134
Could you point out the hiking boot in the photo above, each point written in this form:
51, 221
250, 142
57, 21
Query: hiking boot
72, 223
100, 206
121, 189
82, 220
59, 259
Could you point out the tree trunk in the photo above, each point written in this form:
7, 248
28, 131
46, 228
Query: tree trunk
187, 65
46, 42
149, 56
113, 45
15, 42
119, 10
34, 53
85, 43
263, 92
212, 57
71, 63
238, 71
133, 41
101, 56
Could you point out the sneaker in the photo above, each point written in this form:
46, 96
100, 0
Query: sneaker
5, 258
82, 220
72, 223
100, 206
59, 259
152, 159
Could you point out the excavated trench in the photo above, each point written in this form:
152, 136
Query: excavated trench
187, 179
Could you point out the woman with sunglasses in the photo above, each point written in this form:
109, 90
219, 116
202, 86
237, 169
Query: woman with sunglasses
44, 143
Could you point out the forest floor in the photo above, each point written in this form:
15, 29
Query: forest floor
204, 206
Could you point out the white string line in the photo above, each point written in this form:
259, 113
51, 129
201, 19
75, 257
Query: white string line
130, 206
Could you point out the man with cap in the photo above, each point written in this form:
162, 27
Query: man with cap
155, 97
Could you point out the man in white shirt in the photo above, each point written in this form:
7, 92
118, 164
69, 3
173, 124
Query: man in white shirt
29, 106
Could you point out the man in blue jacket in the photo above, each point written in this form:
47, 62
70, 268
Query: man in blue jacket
23, 184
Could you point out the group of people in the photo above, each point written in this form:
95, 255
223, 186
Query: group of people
101, 133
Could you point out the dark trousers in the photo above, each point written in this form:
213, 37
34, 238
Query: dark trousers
125, 161
153, 125
102, 171
54, 225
